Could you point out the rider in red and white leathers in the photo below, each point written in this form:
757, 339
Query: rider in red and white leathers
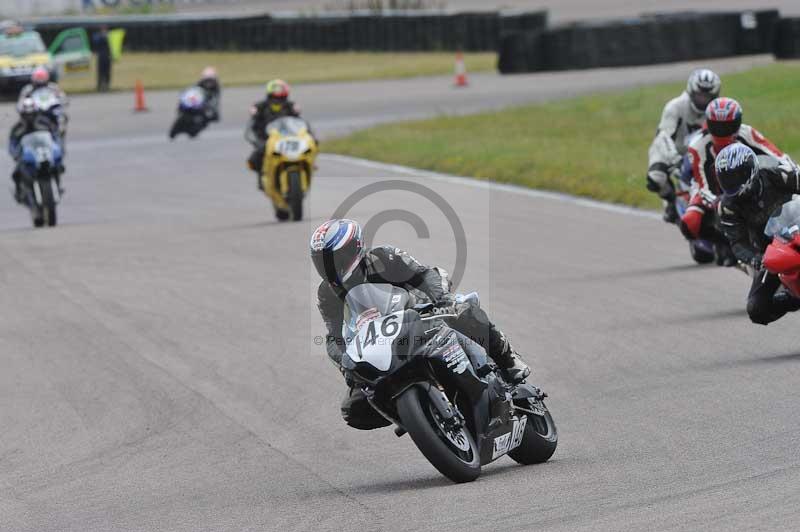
723, 127
681, 117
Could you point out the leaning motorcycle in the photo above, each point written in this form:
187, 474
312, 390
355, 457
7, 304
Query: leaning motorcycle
438, 386
289, 158
192, 118
782, 256
702, 250
40, 168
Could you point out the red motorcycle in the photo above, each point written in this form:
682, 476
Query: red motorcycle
783, 254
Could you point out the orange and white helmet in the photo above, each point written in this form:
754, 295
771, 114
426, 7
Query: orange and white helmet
209, 72
40, 76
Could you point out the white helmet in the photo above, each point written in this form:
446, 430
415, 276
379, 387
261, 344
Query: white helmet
703, 87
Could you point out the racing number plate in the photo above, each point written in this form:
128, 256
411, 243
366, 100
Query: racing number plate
373, 343
510, 440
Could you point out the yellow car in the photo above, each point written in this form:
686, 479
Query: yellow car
22, 51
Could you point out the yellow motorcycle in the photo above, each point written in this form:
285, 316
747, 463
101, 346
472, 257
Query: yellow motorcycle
288, 164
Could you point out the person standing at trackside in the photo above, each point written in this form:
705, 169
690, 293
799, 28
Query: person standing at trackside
681, 117
276, 105
102, 49
209, 83
723, 128
750, 195
343, 262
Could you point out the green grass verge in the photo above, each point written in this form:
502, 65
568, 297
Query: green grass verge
175, 70
593, 146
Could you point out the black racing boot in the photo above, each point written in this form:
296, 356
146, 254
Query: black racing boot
724, 255
784, 302
670, 212
18, 196
514, 370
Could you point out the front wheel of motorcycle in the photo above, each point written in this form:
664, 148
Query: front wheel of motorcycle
453, 453
295, 196
540, 438
702, 251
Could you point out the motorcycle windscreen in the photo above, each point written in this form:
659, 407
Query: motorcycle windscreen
287, 126
786, 223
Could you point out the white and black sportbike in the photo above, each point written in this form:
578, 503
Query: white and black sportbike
438, 386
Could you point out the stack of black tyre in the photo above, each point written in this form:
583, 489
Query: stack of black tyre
411, 31
787, 39
639, 41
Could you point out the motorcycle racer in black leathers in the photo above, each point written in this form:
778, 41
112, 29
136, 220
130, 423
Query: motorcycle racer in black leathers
751, 194
339, 256
276, 105
209, 83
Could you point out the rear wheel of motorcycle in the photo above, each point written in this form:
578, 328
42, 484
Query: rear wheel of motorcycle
700, 255
295, 196
540, 439
418, 419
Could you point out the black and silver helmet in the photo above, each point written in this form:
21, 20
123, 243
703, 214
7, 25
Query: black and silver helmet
703, 87
736, 167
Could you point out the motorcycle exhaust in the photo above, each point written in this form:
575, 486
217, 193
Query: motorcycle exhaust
37, 192
56, 191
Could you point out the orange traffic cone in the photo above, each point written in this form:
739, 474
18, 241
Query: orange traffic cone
461, 71
140, 105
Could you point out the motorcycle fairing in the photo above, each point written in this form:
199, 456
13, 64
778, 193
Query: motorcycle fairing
782, 257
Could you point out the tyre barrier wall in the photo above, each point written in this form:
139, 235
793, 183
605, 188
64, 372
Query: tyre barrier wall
639, 41
396, 32
787, 39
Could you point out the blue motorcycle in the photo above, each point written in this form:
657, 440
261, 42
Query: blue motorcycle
40, 166
192, 113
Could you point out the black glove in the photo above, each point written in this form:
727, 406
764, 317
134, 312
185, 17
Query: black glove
447, 300
756, 262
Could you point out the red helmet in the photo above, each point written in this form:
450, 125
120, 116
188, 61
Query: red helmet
40, 76
723, 120
277, 89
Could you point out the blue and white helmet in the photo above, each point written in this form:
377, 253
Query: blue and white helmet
736, 165
337, 249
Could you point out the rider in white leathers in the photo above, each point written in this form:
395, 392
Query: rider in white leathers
681, 117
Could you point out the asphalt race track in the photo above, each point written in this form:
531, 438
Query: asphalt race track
158, 366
